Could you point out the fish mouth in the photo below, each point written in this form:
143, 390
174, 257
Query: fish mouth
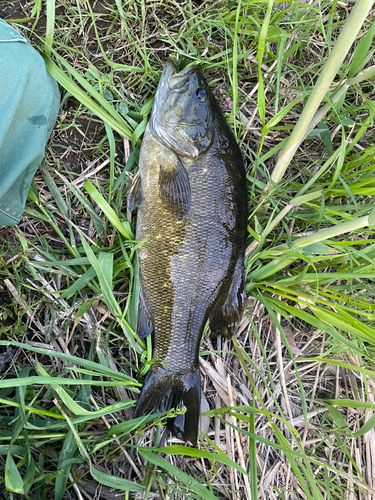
177, 82
171, 81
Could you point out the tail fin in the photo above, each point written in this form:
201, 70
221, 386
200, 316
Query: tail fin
163, 390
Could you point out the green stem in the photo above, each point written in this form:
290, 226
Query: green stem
50, 27
365, 75
325, 234
329, 232
331, 67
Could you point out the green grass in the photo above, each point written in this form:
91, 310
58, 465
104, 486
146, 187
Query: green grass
290, 410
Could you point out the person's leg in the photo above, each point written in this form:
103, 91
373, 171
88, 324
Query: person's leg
29, 104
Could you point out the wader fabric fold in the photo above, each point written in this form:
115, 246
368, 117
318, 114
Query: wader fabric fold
29, 104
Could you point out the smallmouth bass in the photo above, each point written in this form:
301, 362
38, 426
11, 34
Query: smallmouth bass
191, 193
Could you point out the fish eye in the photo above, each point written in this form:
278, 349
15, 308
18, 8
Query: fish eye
201, 94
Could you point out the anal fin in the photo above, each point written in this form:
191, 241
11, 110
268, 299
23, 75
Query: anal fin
144, 322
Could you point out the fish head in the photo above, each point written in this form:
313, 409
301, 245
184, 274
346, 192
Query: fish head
184, 111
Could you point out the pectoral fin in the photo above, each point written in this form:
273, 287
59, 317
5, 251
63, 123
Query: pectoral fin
174, 188
135, 193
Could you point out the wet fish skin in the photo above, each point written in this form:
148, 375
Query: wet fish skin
191, 193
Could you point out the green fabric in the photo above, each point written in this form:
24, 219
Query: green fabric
29, 104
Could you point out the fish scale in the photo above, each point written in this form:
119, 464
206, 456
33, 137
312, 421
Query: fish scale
191, 198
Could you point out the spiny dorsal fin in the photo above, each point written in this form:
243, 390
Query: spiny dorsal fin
174, 188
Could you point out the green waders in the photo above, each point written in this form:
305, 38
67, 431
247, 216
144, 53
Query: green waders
29, 104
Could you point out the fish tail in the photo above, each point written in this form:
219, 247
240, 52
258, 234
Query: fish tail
163, 390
